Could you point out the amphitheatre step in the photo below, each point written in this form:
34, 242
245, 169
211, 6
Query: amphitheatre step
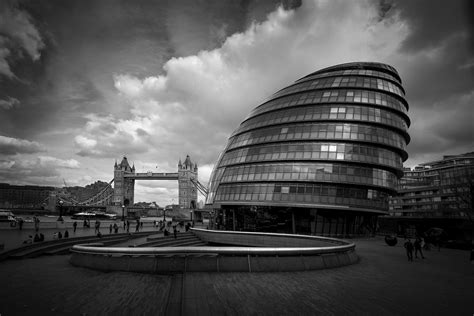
65, 249
37, 249
165, 239
176, 244
179, 235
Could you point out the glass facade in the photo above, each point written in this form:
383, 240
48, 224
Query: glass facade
321, 156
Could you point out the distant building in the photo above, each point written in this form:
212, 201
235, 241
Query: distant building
24, 196
435, 194
321, 156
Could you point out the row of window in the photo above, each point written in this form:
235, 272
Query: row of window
341, 82
313, 151
334, 112
341, 173
312, 97
303, 193
358, 65
349, 72
319, 132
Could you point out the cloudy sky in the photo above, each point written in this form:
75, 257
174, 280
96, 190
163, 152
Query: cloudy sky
83, 83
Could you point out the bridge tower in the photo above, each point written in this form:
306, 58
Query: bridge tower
187, 190
123, 187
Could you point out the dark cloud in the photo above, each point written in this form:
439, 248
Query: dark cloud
18, 36
433, 21
14, 146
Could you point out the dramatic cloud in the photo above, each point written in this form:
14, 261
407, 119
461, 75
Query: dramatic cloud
24, 170
200, 99
13, 146
9, 103
158, 80
17, 33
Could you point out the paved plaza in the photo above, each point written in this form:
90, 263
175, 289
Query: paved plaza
382, 283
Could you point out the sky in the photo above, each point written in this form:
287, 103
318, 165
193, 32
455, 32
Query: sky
84, 83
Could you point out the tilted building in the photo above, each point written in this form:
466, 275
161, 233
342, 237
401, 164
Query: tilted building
321, 156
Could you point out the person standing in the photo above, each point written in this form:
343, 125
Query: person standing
175, 232
417, 245
409, 248
110, 229
37, 223
74, 226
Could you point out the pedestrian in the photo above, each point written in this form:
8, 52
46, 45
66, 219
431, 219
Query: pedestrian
137, 226
409, 248
154, 224
74, 226
20, 223
41, 237
124, 225
116, 228
37, 238
66, 234
85, 223
60, 235
175, 232
141, 225
97, 226
128, 226
37, 221
417, 245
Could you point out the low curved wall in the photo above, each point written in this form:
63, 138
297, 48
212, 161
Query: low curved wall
260, 252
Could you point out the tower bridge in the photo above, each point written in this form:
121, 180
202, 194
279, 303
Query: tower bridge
121, 196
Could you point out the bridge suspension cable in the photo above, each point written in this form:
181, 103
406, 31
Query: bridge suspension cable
201, 188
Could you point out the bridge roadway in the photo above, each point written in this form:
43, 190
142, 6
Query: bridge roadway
152, 176
383, 283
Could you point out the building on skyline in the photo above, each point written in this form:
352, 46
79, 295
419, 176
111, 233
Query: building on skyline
434, 194
320, 156
24, 196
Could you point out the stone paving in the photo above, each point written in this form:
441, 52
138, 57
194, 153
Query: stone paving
383, 283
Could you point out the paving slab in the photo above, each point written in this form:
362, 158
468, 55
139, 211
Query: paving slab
383, 282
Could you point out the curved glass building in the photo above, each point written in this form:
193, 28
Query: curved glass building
320, 156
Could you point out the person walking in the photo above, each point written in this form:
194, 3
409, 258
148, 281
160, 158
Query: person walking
110, 229
417, 245
116, 228
409, 248
128, 226
74, 226
20, 223
175, 232
137, 226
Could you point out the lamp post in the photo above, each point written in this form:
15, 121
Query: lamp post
60, 218
123, 213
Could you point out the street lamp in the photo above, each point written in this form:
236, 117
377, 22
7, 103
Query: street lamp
123, 213
60, 218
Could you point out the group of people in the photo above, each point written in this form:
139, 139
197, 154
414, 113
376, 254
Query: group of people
59, 235
38, 237
416, 246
